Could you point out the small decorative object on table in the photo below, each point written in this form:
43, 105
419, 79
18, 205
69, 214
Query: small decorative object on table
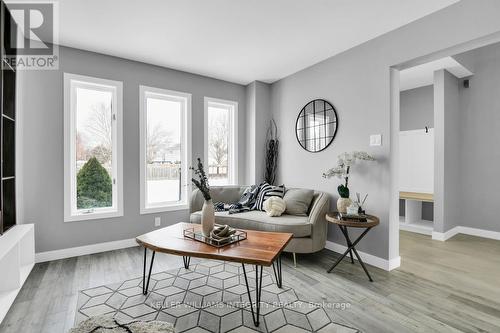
344, 163
208, 210
353, 209
220, 236
361, 203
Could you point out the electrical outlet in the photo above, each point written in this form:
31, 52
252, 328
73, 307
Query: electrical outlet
157, 221
376, 140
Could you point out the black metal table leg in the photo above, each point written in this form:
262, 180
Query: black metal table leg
186, 261
350, 252
351, 247
144, 271
145, 284
277, 271
258, 293
349, 243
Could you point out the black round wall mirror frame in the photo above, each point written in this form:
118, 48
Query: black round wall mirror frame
316, 125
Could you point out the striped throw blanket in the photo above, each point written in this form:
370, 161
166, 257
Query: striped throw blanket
246, 202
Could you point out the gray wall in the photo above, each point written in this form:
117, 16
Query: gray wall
417, 111
357, 83
447, 151
258, 115
479, 139
250, 132
42, 114
417, 108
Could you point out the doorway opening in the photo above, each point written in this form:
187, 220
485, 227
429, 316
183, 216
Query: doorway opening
446, 113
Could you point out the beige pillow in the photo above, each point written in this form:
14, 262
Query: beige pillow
298, 201
274, 206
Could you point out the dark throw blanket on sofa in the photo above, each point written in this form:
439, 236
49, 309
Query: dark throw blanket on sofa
246, 202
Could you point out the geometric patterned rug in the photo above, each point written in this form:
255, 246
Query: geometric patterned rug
210, 296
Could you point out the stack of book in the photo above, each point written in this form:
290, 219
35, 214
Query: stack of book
352, 217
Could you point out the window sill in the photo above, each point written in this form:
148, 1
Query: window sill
152, 210
92, 216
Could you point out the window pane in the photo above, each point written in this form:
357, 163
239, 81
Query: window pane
94, 149
163, 150
219, 124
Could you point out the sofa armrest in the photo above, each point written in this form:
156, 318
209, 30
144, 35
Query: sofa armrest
319, 208
197, 201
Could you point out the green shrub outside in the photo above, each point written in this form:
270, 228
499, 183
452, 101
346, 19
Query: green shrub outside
93, 186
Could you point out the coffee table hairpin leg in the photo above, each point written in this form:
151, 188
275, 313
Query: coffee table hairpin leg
258, 292
145, 285
186, 261
277, 271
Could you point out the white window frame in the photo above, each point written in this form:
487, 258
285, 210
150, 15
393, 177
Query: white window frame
145, 91
71, 82
233, 146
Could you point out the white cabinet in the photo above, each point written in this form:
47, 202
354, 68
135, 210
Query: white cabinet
17, 258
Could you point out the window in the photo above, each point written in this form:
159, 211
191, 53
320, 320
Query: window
165, 151
221, 141
92, 148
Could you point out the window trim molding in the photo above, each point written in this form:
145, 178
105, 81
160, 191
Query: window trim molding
187, 134
233, 151
69, 148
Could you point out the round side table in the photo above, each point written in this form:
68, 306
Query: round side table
371, 222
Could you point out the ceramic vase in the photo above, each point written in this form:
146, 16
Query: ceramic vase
207, 218
342, 205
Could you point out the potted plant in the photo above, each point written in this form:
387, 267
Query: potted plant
344, 164
207, 211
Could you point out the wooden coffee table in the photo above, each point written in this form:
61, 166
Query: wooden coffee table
259, 249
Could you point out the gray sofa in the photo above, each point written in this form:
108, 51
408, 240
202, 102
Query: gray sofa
309, 232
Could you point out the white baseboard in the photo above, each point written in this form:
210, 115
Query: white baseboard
443, 236
479, 232
419, 228
370, 259
84, 250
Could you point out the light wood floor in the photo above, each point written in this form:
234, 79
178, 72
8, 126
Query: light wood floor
451, 286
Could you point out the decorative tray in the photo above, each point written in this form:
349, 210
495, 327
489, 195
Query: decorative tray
353, 217
237, 236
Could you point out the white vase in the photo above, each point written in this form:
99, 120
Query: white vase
207, 218
342, 205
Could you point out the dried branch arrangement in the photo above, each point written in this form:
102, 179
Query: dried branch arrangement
272, 148
202, 182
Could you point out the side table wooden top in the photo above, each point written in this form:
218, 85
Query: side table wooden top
371, 222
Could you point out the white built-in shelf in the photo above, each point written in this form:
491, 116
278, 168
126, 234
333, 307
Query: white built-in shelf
17, 258
420, 226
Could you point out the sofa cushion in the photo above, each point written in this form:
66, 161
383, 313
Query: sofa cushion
298, 201
299, 226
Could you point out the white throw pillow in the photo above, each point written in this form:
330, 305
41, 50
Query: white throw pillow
274, 206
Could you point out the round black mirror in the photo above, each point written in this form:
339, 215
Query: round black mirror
316, 125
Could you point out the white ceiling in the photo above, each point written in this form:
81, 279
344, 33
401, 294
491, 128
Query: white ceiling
235, 40
423, 75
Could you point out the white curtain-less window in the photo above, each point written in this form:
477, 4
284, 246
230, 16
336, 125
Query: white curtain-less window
93, 147
221, 141
165, 149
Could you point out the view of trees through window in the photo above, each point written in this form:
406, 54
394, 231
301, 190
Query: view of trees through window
94, 149
219, 124
163, 150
